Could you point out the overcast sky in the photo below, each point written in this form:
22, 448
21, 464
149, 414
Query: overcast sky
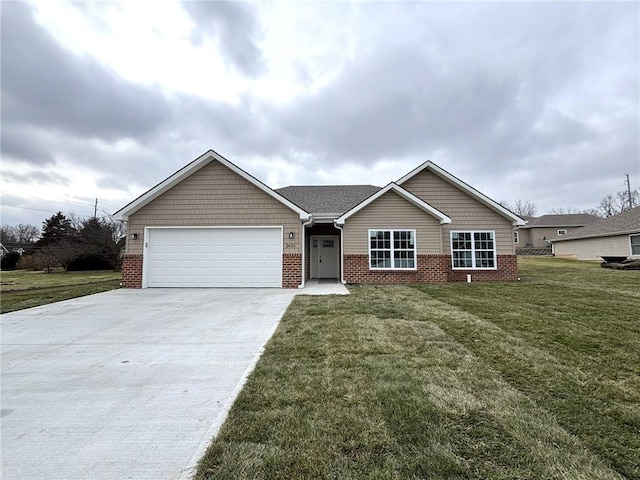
538, 101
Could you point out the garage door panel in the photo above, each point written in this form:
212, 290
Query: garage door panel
214, 257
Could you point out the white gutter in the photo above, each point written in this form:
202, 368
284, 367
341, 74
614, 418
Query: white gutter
341, 252
302, 243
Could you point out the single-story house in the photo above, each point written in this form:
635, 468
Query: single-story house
618, 235
211, 224
540, 231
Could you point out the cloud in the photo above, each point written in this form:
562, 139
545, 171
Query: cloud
43, 85
234, 26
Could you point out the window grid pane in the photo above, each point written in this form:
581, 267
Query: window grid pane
392, 249
635, 244
473, 250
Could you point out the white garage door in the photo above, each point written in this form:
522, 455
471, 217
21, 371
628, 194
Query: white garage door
213, 257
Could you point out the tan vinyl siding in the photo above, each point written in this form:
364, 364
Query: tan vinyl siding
465, 212
539, 236
387, 212
214, 196
592, 248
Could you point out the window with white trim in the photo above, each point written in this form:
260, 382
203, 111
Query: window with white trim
473, 250
562, 232
516, 239
635, 244
392, 249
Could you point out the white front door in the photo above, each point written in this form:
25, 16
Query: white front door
325, 256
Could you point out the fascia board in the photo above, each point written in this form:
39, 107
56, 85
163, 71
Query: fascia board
486, 201
186, 171
404, 194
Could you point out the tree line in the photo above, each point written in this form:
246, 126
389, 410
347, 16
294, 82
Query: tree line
92, 243
609, 205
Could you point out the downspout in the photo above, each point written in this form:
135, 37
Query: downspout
341, 252
302, 243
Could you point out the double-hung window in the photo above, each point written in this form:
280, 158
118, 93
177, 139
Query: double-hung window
473, 250
392, 249
635, 244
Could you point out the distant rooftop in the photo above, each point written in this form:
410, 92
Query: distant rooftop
334, 199
626, 222
565, 220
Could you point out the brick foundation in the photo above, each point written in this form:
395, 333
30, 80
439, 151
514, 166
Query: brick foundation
291, 270
132, 271
431, 269
507, 271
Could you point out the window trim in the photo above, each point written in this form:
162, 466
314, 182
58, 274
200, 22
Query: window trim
473, 250
516, 237
562, 231
392, 230
631, 243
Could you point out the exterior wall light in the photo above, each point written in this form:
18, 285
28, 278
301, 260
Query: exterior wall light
291, 234
134, 236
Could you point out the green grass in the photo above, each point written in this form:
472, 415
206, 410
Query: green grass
534, 379
24, 289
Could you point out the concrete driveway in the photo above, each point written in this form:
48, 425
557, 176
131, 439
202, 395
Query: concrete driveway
128, 383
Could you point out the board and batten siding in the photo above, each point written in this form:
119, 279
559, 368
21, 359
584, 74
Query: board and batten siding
466, 213
391, 211
214, 196
592, 248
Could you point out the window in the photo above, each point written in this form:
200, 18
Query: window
562, 232
515, 237
473, 250
635, 244
392, 249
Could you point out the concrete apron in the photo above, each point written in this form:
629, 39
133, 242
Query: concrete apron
128, 383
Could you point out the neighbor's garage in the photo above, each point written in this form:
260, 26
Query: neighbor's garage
213, 257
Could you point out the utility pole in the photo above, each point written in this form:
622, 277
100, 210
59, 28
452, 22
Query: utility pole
629, 191
95, 207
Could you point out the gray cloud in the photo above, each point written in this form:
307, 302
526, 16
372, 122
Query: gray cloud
44, 85
234, 26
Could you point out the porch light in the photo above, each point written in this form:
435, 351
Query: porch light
134, 236
291, 234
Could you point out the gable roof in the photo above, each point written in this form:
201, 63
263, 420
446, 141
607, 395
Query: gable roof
410, 197
621, 224
564, 220
468, 189
327, 199
203, 160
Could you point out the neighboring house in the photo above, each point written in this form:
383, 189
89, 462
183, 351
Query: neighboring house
540, 231
211, 224
618, 235
19, 248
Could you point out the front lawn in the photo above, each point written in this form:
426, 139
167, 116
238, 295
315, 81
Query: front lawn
534, 379
21, 289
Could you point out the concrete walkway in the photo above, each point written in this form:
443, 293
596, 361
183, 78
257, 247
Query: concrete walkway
323, 287
127, 384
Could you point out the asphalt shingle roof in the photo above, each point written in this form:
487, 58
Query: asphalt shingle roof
327, 198
626, 222
564, 220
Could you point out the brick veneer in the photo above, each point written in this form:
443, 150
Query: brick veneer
507, 271
291, 270
431, 269
132, 271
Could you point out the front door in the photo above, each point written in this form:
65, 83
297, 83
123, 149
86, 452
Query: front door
325, 255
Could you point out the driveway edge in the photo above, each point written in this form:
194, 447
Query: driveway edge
190, 470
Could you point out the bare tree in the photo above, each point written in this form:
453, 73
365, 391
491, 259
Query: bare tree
26, 233
63, 252
522, 208
614, 204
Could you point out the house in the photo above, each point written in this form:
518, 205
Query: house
540, 231
618, 235
211, 224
